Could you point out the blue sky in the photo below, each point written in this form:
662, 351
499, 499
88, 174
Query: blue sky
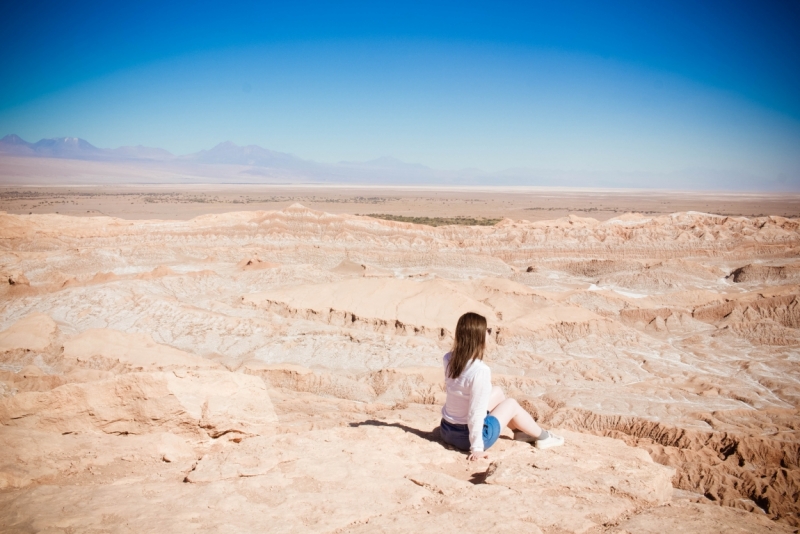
579, 86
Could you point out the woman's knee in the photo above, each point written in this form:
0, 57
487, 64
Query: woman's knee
513, 407
506, 411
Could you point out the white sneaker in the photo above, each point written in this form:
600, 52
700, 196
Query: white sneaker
552, 441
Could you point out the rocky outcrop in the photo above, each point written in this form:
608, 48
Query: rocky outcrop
284, 368
730, 466
761, 319
758, 273
385, 305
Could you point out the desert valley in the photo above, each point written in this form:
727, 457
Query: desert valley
242, 244
278, 367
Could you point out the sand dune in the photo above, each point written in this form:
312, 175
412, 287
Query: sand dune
283, 368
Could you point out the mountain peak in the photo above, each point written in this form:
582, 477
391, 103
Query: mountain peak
65, 147
227, 153
230, 153
224, 144
13, 139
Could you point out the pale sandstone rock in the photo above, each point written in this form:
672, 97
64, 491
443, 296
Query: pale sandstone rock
439, 483
36, 457
213, 402
431, 307
108, 349
35, 332
298, 378
333, 483
29, 380
591, 464
158, 272
255, 263
88, 375
560, 483
16, 279
390, 305
30, 371
348, 267
626, 328
487, 509
424, 385
362, 477
691, 517
253, 457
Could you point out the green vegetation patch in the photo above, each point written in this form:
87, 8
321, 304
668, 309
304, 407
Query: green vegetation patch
437, 221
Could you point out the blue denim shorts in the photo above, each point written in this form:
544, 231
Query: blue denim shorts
458, 435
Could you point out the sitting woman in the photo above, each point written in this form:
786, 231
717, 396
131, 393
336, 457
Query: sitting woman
470, 397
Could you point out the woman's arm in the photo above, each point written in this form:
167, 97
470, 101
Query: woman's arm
478, 403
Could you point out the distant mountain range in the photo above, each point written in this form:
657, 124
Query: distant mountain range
226, 153
230, 163
252, 155
76, 148
259, 162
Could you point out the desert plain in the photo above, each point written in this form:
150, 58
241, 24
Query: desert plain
201, 359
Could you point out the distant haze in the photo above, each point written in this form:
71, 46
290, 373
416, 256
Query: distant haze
232, 164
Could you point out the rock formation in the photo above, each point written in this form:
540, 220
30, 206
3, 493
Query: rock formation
282, 369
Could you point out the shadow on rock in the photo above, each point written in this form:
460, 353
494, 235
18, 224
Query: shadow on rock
432, 436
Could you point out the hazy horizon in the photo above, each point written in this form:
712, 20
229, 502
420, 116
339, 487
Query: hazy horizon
229, 164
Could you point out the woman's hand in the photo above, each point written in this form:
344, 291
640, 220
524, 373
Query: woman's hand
473, 456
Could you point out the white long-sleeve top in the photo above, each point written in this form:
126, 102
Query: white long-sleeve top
468, 399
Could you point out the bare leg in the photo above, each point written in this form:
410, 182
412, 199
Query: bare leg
510, 413
496, 397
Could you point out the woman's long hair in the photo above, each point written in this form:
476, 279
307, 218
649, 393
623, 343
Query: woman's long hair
470, 340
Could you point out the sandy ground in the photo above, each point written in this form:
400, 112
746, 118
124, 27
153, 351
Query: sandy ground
171, 202
282, 367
